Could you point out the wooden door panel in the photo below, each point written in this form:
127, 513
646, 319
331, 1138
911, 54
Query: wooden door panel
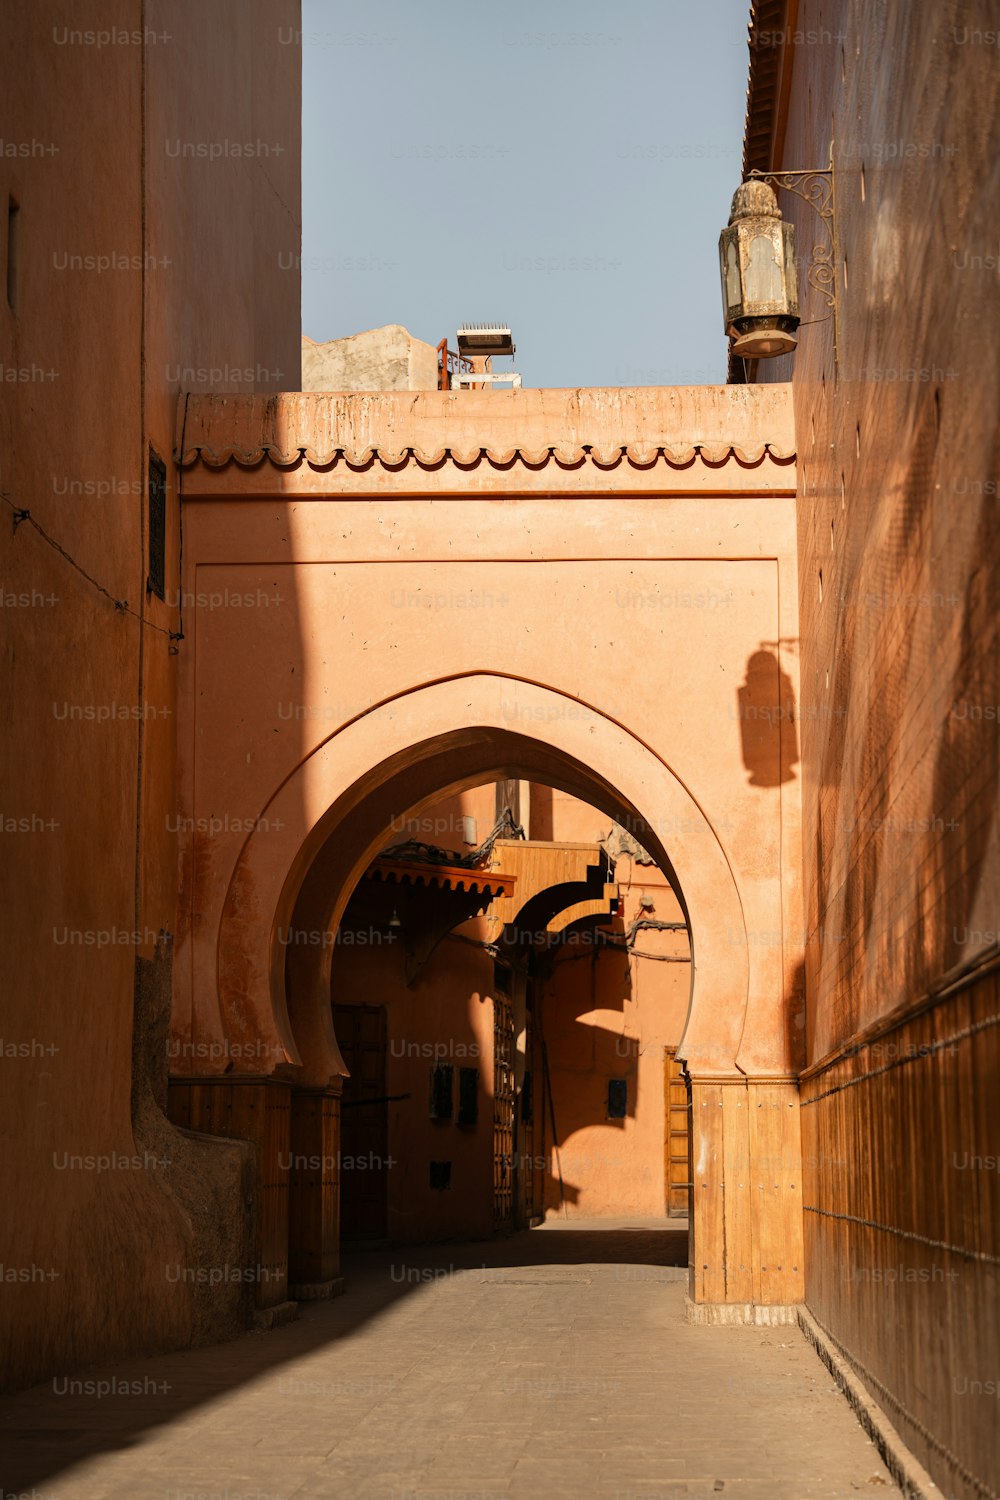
364, 1136
676, 1137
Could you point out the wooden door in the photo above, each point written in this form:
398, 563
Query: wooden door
525, 1123
364, 1114
676, 1135
503, 1113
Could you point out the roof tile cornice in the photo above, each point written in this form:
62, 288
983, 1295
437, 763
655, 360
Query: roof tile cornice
602, 428
770, 43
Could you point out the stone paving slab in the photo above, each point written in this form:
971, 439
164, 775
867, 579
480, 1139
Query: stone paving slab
555, 1363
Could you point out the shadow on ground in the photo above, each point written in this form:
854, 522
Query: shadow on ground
50, 1427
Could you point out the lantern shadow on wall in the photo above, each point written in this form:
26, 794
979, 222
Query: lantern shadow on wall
766, 710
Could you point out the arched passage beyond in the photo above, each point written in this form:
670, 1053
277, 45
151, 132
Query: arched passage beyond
335, 811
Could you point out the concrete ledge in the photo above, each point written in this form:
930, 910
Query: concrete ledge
910, 1475
742, 1314
318, 1291
274, 1317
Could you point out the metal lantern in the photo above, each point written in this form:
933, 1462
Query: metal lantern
760, 295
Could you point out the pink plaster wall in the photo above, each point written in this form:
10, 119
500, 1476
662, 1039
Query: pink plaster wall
610, 1015
447, 1017
897, 505
898, 564
604, 1014
364, 599
178, 276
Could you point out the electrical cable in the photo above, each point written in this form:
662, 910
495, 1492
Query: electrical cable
121, 605
431, 854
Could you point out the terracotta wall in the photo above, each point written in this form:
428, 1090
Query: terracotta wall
604, 1014
133, 266
898, 551
223, 207
424, 604
609, 1015
446, 1017
398, 656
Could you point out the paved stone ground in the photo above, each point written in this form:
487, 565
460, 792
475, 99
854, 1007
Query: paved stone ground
554, 1364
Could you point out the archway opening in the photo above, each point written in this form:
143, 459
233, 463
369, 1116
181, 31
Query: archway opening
330, 821
509, 984
359, 824
506, 1009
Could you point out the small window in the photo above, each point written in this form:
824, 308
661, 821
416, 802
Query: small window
441, 1091
527, 1100
13, 216
617, 1098
501, 978
156, 581
468, 1096
440, 1178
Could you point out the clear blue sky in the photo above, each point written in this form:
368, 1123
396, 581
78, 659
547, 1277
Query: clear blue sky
561, 165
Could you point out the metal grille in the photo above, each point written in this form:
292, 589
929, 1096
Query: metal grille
503, 1113
156, 582
526, 1124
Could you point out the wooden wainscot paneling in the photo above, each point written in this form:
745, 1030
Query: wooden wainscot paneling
676, 1145
736, 1195
776, 1193
314, 1194
902, 1215
720, 1231
746, 1229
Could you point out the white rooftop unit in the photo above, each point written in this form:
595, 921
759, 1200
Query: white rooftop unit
483, 341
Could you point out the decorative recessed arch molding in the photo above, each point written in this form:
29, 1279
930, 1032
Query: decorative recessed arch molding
289, 889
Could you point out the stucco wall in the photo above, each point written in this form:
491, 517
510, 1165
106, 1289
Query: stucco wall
898, 552
449, 586
897, 502
604, 1014
359, 610
130, 263
608, 1014
241, 686
445, 1017
223, 207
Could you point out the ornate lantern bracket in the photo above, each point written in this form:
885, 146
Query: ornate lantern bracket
814, 186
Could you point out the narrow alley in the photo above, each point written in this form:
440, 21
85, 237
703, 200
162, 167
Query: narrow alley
555, 1363
500, 807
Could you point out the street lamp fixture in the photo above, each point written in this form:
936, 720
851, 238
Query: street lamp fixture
757, 258
760, 294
